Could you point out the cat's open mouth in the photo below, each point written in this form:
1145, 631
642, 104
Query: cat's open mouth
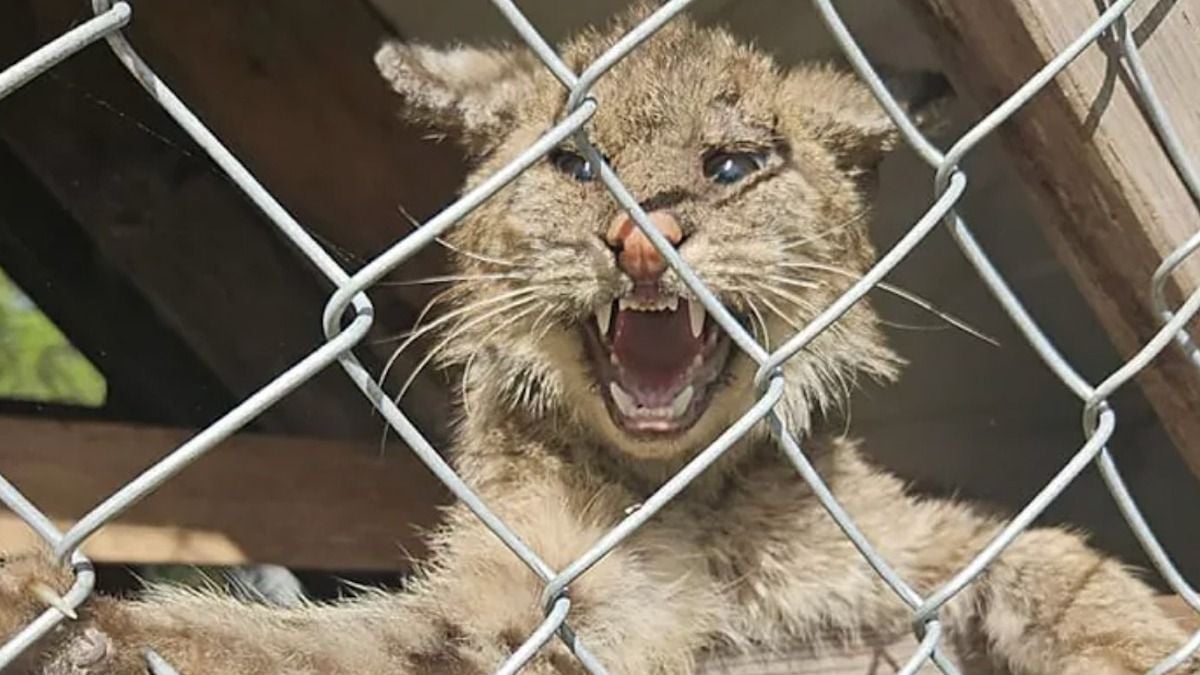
656, 361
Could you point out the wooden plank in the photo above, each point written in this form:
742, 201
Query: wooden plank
151, 375
1111, 203
291, 87
296, 502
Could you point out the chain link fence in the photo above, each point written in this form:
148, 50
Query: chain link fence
348, 315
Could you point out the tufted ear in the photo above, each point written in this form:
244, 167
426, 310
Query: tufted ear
466, 92
844, 114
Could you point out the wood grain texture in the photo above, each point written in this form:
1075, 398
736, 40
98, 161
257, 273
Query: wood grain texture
254, 498
1110, 201
291, 88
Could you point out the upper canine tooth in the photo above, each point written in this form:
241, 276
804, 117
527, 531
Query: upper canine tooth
604, 317
696, 313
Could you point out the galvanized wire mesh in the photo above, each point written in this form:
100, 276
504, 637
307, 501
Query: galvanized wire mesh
349, 301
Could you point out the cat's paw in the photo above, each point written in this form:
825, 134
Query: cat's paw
31, 583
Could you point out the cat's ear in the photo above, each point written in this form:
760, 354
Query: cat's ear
845, 116
466, 92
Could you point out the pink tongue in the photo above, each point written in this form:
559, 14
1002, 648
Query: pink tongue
654, 348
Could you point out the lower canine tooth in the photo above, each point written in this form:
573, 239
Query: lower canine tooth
696, 314
682, 400
623, 400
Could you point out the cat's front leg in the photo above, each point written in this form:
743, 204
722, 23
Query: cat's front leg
467, 612
638, 611
1052, 605
1048, 605
205, 632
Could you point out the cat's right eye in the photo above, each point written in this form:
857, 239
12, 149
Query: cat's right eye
726, 167
574, 165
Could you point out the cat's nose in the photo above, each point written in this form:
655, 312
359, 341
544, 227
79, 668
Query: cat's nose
636, 256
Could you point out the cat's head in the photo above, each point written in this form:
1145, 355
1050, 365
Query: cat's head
758, 175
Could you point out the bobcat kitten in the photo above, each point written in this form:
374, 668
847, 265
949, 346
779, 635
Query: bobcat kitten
591, 375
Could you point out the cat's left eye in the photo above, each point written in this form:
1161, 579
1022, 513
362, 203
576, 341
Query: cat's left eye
574, 165
730, 167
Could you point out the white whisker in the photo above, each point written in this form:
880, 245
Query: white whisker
905, 295
801, 283
775, 310
766, 334
416, 225
795, 300
848, 222
483, 340
441, 320
458, 330
448, 278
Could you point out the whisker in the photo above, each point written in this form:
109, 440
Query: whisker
417, 328
416, 224
477, 256
471, 359
457, 331
775, 310
417, 333
441, 345
437, 297
817, 236
795, 300
766, 335
541, 317
904, 294
448, 278
941, 314
913, 326
801, 283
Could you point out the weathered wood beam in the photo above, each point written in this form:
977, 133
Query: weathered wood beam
296, 502
1111, 204
151, 375
291, 88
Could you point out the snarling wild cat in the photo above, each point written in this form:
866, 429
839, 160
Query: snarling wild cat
591, 374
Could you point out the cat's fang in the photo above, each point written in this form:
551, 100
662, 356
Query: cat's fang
604, 317
623, 400
697, 314
679, 406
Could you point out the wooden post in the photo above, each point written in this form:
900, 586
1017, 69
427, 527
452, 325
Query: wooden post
290, 87
298, 502
1110, 202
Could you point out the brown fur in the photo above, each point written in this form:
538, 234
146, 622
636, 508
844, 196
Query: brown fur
745, 558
